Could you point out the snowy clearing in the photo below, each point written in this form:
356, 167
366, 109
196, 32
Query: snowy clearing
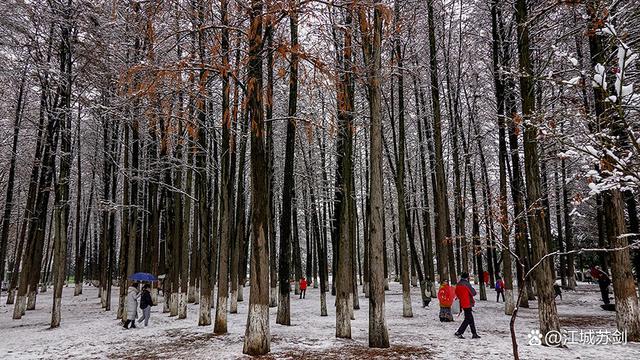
89, 332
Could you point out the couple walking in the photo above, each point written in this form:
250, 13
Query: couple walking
132, 305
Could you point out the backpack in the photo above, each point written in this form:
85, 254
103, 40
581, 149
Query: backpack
498, 285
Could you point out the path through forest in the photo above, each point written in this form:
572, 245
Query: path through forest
89, 332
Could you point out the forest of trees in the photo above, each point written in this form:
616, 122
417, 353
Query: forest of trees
250, 143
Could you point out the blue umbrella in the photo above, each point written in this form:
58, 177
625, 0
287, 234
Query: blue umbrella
141, 276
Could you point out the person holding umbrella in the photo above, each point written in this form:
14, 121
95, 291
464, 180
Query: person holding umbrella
132, 298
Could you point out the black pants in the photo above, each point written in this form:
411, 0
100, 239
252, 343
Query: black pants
132, 322
604, 290
303, 292
499, 292
468, 321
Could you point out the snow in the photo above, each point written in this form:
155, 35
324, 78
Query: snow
87, 331
573, 61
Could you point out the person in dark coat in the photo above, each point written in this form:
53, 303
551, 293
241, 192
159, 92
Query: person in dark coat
465, 293
557, 290
603, 281
145, 304
499, 289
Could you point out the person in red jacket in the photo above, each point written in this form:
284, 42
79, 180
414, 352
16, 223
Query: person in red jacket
303, 288
465, 293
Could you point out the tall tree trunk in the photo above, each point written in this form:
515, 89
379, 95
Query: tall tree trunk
547, 311
61, 210
344, 172
627, 307
257, 336
426, 213
568, 228
400, 176
502, 158
8, 203
441, 206
202, 179
220, 325
286, 235
238, 226
371, 43
273, 263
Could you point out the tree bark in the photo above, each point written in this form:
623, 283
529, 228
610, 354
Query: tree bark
257, 336
547, 312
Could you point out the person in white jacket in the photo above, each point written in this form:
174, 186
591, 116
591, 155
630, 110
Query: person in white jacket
132, 306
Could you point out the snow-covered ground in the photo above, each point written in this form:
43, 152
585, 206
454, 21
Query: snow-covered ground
87, 331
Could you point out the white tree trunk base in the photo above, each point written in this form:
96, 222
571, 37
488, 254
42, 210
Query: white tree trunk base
273, 297
240, 293
628, 316
323, 304
204, 315
352, 313
77, 289
31, 300
233, 305
509, 302
343, 318
191, 294
283, 316
154, 296
257, 337
407, 311
55, 312
220, 326
11, 296
182, 306
173, 304
18, 308
103, 298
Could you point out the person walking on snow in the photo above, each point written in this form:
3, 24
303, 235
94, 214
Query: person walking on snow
145, 304
465, 292
499, 289
132, 306
603, 282
303, 288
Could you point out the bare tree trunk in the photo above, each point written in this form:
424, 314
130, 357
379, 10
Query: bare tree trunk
400, 177
286, 219
502, 158
608, 121
257, 336
343, 190
61, 210
273, 263
202, 179
547, 311
8, 203
220, 324
441, 206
